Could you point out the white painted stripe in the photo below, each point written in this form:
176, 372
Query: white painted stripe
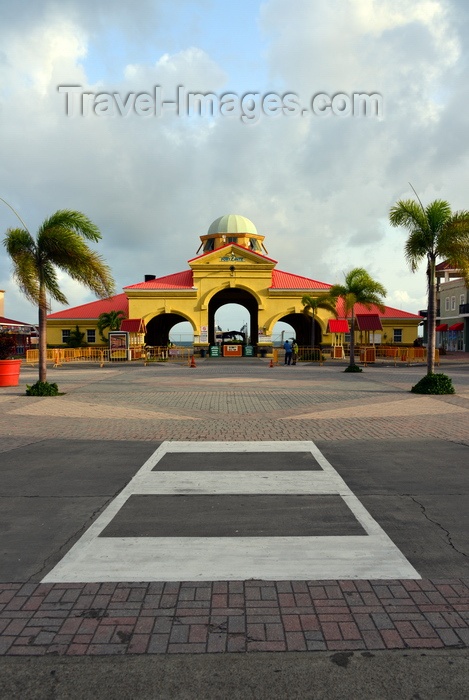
225, 558
245, 482
95, 558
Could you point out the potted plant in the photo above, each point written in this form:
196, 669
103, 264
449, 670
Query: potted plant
9, 367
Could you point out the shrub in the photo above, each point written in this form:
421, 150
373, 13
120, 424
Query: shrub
434, 384
42, 389
353, 368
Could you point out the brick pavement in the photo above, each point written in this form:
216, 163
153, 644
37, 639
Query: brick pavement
263, 404
235, 616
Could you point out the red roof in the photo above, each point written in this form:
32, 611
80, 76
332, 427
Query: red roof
133, 325
368, 322
94, 308
339, 325
286, 280
388, 312
178, 280
9, 322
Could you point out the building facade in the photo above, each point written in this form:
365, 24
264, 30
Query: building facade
232, 266
452, 329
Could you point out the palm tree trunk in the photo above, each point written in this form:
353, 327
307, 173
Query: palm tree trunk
431, 316
352, 339
313, 336
42, 335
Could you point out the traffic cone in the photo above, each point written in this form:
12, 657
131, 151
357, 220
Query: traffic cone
193, 362
271, 362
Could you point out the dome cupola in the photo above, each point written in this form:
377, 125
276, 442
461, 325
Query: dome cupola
232, 228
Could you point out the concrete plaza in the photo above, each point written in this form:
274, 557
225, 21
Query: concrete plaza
66, 461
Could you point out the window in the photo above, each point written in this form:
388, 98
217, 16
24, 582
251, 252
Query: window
462, 299
397, 336
447, 304
232, 239
209, 245
65, 335
90, 335
253, 244
453, 303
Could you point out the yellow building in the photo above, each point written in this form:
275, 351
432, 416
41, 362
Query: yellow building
232, 266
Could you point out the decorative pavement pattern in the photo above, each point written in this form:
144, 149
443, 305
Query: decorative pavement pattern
360, 609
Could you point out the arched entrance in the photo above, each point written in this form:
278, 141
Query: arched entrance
233, 296
159, 327
302, 325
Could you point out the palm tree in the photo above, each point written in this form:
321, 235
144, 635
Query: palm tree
434, 232
59, 244
359, 288
312, 304
111, 320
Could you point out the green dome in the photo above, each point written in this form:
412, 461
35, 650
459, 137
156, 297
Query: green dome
232, 223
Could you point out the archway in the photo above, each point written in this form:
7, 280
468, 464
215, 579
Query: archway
302, 325
159, 327
233, 296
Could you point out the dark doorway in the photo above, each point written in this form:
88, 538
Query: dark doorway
159, 327
302, 325
233, 296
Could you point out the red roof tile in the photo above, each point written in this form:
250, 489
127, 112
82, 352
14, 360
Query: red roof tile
94, 308
286, 280
133, 325
178, 280
9, 322
368, 322
389, 312
338, 325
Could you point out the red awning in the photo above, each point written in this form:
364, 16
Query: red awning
133, 325
339, 325
368, 322
457, 327
442, 327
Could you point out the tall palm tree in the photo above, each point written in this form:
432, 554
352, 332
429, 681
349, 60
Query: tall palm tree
359, 288
312, 304
59, 244
111, 320
434, 232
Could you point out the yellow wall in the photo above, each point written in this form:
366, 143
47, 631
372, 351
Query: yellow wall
211, 274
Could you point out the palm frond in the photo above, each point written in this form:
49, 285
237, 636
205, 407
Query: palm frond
72, 220
21, 248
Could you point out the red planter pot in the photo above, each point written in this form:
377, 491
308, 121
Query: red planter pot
10, 372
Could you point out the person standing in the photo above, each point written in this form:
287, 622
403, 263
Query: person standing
294, 356
287, 346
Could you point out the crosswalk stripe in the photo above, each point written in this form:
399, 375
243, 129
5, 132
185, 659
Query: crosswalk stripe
100, 558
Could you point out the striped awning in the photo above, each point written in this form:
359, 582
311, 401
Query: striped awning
338, 325
442, 327
368, 322
457, 327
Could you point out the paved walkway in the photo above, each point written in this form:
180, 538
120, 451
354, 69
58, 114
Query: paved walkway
409, 469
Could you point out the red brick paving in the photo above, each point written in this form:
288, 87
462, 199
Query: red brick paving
234, 616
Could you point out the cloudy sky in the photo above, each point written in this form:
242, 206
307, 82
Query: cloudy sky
319, 186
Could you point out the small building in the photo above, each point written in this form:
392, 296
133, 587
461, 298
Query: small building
234, 267
452, 326
26, 335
